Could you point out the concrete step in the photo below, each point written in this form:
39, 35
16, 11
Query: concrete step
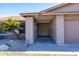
44, 40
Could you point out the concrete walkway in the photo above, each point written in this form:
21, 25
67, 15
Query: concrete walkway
48, 45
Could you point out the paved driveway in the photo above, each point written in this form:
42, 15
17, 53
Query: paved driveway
52, 47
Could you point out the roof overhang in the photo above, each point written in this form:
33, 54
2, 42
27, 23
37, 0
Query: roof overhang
45, 14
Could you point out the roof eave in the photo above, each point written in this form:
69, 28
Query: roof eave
45, 14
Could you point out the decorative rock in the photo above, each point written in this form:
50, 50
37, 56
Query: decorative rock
4, 47
26, 43
10, 41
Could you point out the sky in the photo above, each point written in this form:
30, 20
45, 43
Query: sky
12, 9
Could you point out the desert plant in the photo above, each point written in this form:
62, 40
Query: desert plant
10, 25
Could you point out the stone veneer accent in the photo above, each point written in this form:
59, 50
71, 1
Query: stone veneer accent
60, 29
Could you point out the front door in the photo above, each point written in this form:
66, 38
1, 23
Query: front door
43, 29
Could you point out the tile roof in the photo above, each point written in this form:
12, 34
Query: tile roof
19, 18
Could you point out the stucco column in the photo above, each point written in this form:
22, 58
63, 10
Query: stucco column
60, 29
29, 30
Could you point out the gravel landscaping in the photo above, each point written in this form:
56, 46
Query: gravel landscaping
14, 44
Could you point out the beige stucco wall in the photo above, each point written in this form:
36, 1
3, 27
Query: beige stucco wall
71, 17
60, 29
74, 7
57, 29
35, 31
29, 30
72, 29
53, 29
